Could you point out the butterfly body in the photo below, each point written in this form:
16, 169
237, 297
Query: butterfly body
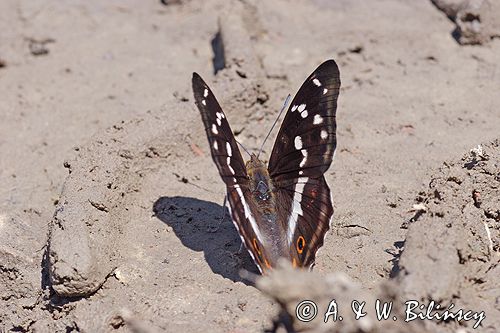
283, 209
263, 198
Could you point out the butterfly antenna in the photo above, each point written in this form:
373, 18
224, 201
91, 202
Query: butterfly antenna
274, 124
246, 150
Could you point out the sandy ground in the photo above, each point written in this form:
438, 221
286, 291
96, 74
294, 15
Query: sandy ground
109, 201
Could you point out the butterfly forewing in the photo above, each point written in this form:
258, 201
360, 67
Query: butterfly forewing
223, 146
306, 141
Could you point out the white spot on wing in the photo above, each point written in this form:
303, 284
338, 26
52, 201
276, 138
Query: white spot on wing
302, 107
304, 114
298, 142
296, 207
228, 148
216, 146
325, 91
218, 121
214, 129
294, 108
323, 134
219, 115
248, 213
203, 102
304, 160
205, 93
316, 82
301, 172
317, 119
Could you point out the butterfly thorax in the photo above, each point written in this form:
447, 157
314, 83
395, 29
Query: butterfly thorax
260, 185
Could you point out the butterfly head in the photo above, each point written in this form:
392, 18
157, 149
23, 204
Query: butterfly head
254, 163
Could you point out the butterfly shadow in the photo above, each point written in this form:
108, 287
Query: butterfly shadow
198, 225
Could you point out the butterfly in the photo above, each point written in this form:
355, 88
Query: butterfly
282, 210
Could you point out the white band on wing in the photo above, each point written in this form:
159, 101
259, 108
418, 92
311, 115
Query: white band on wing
248, 214
296, 207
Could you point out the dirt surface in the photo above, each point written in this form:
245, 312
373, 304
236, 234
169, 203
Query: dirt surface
110, 203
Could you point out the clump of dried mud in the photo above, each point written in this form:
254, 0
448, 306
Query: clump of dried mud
476, 20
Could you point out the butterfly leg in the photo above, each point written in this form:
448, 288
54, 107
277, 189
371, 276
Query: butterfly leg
213, 229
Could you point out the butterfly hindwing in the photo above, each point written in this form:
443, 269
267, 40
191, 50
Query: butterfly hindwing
302, 153
247, 222
309, 206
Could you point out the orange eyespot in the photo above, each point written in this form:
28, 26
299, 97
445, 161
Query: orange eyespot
256, 246
301, 242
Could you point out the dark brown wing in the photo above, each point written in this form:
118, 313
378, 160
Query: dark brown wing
302, 153
223, 146
227, 157
306, 141
310, 204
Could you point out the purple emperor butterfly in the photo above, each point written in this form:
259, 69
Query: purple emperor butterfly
282, 210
